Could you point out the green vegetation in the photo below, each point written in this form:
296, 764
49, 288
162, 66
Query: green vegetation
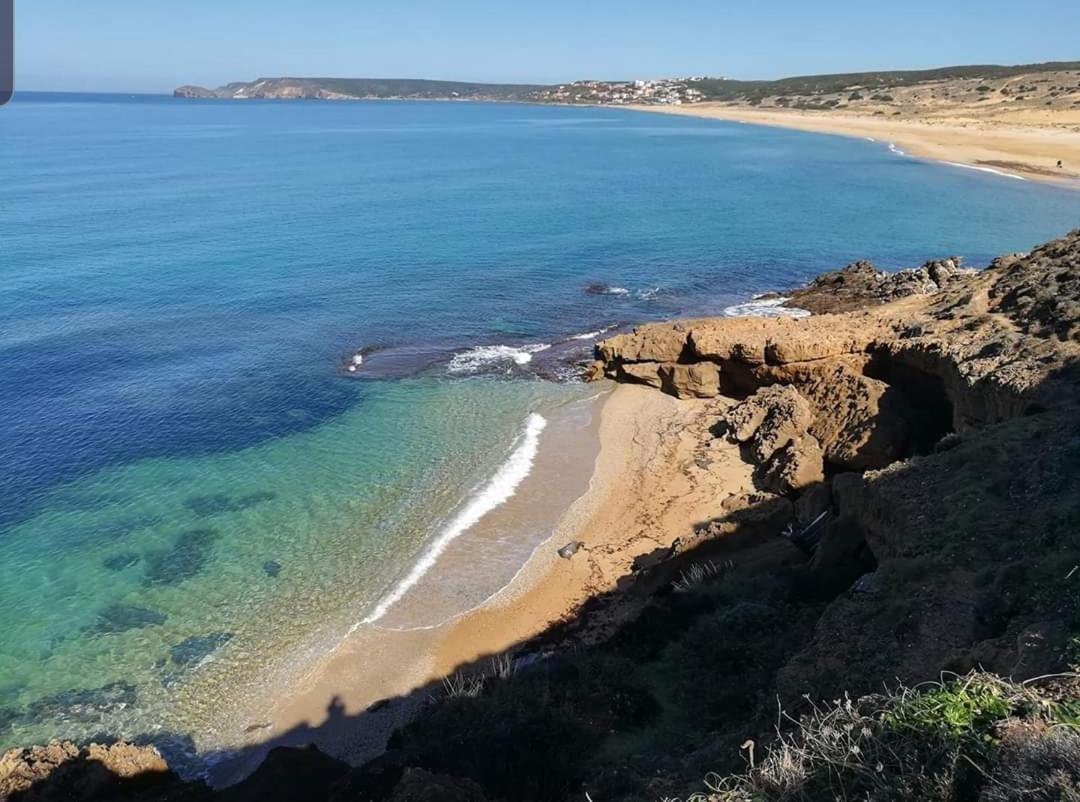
974, 737
724, 89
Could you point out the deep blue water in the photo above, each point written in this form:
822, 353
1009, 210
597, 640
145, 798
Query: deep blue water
182, 281
180, 276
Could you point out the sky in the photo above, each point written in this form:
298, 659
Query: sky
154, 46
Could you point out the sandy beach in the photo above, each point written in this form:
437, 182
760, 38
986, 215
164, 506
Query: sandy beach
656, 474
1027, 144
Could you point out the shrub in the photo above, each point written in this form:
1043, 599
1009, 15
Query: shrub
939, 743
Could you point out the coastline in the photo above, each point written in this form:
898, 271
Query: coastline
1029, 150
649, 484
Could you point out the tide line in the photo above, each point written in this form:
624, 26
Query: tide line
499, 489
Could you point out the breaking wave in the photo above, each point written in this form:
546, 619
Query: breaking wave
484, 358
499, 489
765, 307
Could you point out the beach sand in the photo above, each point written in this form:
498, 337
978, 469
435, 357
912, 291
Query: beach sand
657, 473
1024, 143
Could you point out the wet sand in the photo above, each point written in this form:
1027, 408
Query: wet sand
653, 472
1027, 145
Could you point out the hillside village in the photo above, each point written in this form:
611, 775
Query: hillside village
668, 92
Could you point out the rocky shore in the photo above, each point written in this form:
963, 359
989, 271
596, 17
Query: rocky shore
912, 454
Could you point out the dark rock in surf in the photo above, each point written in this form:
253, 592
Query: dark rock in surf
570, 549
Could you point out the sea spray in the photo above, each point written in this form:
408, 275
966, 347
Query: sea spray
495, 493
485, 357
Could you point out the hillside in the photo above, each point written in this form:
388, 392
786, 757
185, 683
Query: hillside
359, 89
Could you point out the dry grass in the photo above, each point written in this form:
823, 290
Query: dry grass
698, 573
919, 743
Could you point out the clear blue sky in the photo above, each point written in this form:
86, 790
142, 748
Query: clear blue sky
150, 45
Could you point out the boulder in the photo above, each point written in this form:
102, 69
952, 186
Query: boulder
691, 381
769, 420
641, 373
795, 466
594, 371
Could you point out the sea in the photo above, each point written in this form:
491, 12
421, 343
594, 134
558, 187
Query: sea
264, 365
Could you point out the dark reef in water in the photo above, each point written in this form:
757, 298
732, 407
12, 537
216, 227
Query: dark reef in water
186, 558
79, 705
193, 650
124, 617
217, 503
118, 562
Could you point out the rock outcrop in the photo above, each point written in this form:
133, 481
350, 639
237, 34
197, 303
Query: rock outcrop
65, 771
861, 284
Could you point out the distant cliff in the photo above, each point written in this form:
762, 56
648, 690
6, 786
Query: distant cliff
359, 89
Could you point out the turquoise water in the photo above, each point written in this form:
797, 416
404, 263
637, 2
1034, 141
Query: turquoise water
195, 485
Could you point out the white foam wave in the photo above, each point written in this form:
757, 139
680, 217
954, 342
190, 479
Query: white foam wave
765, 307
615, 291
648, 294
484, 357
592, 335
896, 150
499, 489
987, 170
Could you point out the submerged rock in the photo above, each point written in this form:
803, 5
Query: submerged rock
124, 617
81, 704
272, 568
217, 503
194, 650
186, 558
118, 562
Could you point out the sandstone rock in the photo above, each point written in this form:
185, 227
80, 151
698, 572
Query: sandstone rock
691, 381
860, 422
594, 371
659, 342
765, 513
769, 420
788, 419
731, 339
795, 466
641, 373
62, 770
